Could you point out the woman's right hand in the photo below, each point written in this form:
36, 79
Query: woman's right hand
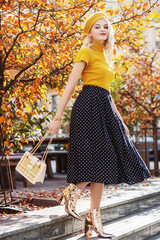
54, 127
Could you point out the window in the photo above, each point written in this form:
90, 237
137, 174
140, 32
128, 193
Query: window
157, 33
55, 100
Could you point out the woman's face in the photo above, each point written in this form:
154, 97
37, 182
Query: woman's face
99, 31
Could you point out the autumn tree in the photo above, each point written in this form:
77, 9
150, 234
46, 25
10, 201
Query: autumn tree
140, 91
138, 97
137, 88
134, 64
37, 42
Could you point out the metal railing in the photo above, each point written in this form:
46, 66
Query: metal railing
146, 147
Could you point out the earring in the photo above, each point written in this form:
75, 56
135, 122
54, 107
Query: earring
91, 39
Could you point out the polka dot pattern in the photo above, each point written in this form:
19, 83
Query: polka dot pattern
99, 149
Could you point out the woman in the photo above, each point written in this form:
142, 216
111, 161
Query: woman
100, 150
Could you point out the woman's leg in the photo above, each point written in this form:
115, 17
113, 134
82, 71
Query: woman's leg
96, 190
81, 185
93, 217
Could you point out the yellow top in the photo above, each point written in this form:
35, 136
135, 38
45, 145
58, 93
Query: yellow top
97, 71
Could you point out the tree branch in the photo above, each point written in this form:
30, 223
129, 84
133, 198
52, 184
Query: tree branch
138, 102
137, 15
61, 9
36, 22
9, 51
28, 80
154, 57
15, 39
57, 70
12, 82
28, 66
83, 14
19, 13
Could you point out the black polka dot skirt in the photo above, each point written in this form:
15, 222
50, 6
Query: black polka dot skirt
99, 149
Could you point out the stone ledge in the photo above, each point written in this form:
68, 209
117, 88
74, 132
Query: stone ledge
54, 223
143, 225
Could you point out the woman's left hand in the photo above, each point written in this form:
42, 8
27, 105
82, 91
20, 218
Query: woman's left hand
126, 129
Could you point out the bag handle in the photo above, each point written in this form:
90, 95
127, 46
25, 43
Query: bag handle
39, 143
46, 151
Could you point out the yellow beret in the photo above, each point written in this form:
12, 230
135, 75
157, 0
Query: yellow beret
94, 18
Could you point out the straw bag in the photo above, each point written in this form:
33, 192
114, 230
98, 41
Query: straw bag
31, 167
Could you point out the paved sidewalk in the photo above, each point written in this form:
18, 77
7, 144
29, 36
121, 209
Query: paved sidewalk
55, 185
59, 180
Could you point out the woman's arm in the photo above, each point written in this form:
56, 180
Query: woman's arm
77, 69
116, 110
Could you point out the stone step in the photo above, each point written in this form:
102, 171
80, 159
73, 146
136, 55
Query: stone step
54, 222
156, 237
142, 225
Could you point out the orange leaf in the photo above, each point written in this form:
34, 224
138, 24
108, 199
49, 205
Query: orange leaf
145, 6
19, 113
4, 108
114, 51
2, 119
5, 143
2, 91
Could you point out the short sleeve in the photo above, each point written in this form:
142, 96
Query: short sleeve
83, 54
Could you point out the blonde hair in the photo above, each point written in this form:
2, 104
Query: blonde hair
108, 46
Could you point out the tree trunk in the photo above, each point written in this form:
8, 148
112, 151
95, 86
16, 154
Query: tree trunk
1, 88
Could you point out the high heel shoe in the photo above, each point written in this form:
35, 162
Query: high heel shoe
93, 221
69, 197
